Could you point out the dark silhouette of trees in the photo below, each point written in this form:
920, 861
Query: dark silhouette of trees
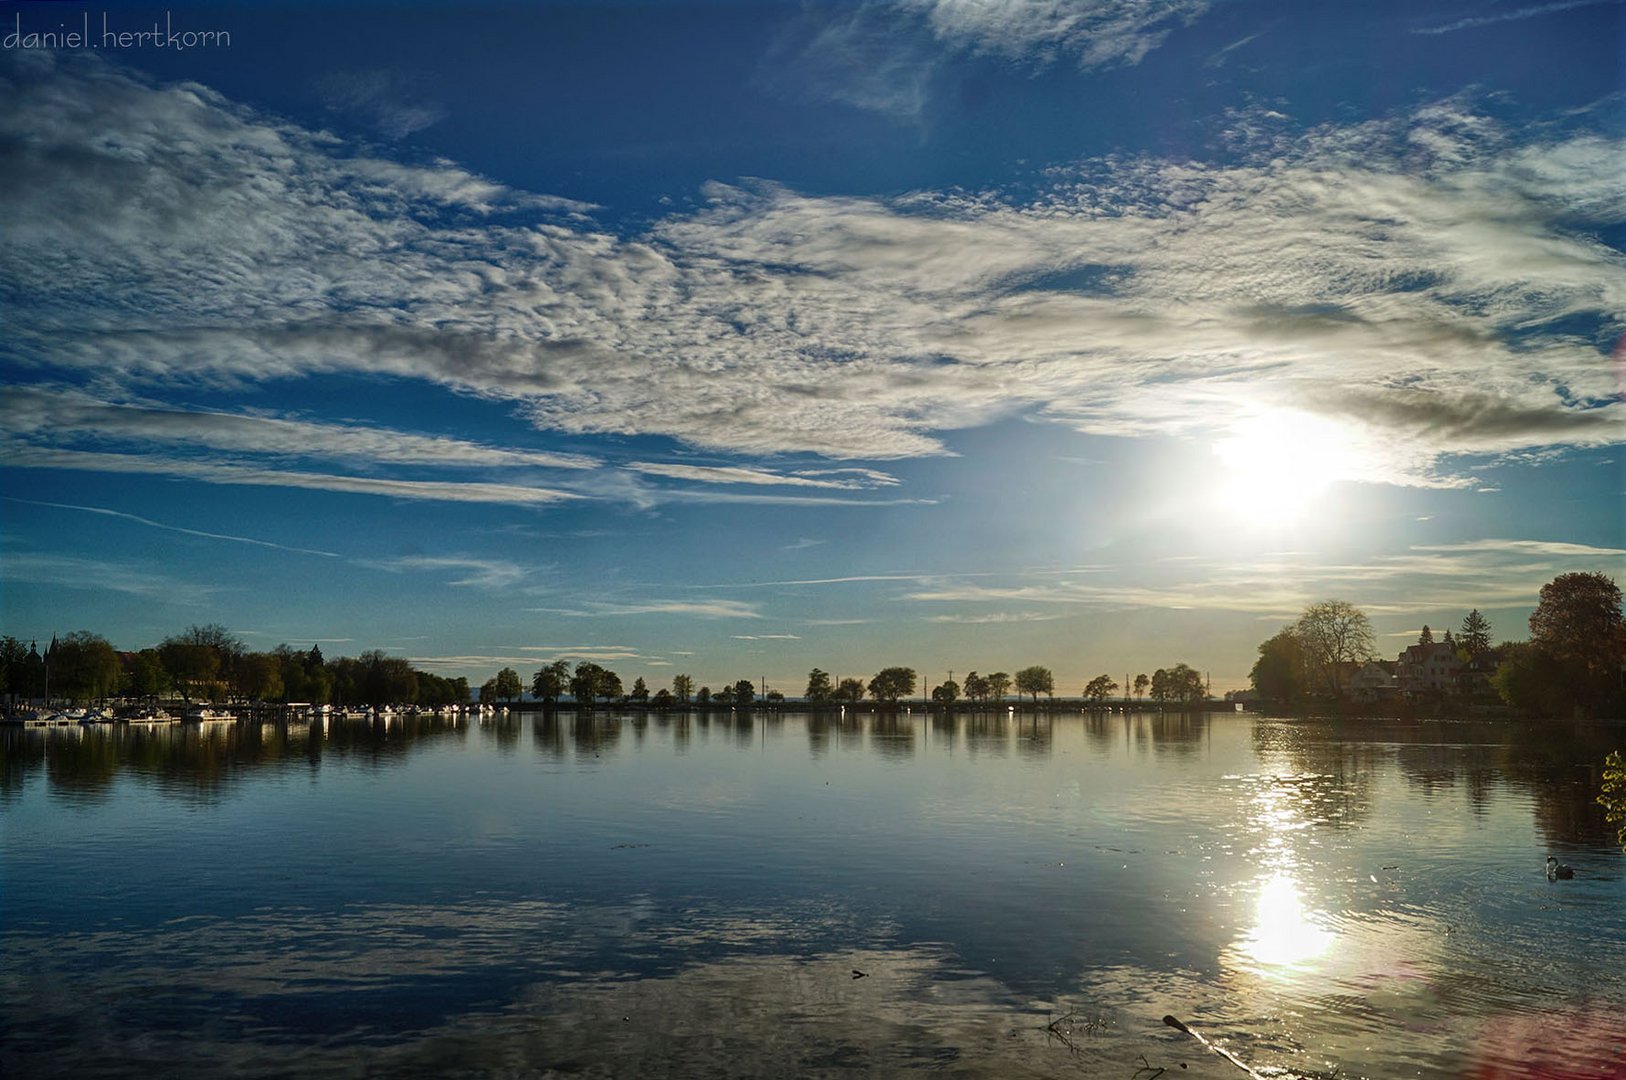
84, 667
1426, 637
850, 691
1099, 689
1036, 680
508, 687
549, 684
640, 691
1475, 641
1142, 683
999, 684
1576, 658
744, 693
1181, 683
947, 693
682, 687
891, 684
976, 687
819, 690
1278, 675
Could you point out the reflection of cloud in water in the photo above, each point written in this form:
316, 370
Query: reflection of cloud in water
488, 986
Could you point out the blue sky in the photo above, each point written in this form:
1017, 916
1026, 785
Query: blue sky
739, 338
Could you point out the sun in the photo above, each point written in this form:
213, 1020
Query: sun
1281, 463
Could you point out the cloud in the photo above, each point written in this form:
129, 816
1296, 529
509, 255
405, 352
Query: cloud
1516, 14
75, 572
1486, 574
1433, 283
432, 490
104, 512
767, 637
705, 609
884, 55
840, 479
61, 416
479, 573
385, 100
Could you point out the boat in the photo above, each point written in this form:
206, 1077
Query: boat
146, 715
207, 715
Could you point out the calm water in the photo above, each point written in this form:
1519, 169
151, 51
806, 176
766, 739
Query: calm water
693, 897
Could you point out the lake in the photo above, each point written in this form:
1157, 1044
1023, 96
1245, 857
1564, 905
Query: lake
719, 895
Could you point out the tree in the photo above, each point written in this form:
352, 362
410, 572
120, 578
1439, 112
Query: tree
1278, 674
682, 686
608, 684
640, 691
1476, 635
890, 684
976, 687
1577, 624
663, 699
819, 689
1035, 680
947, 693
144, 675
1426, 637
999, 684
850, 691
550, 683
585, 682
84, 666
508, 685
1180, 683
704, 696
13, 657
259, 677
744, 693
774, 697
1332, 634
1099, 689
1142, 682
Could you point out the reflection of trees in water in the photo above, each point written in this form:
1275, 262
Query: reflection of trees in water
944, 726
1331, 775
820, 727
1035, 734
200, 762
593, 733
1180, 733
20, 755
548, 735
1558, 765
502, 730
892, 734
988, 731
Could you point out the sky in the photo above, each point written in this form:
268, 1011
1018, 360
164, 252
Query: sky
734, 339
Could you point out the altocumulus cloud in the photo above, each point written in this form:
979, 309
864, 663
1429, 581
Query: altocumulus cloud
1430, 280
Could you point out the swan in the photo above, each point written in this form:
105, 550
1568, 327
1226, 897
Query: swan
1556, 869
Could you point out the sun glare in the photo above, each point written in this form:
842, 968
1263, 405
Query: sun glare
1282, 463
1284, 933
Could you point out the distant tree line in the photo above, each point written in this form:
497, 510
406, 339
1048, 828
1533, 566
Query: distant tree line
1573, 664
208, 663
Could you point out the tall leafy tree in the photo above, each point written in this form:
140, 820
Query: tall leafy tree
819, 689
1099, 689
508, 685
744, 693
976, 687
550, 683
1278, 674
1577, 623
999, 684
1426, 637
947, 693
1142, 682
891, 684
682, 687
640, 690
1035, 680
850, 691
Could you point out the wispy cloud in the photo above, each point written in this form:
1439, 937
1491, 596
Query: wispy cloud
74, 572
1431, 282
705, 609
105, 512
434, 490
767, 637
466, 570
386, 100
840, 479
1535, 11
